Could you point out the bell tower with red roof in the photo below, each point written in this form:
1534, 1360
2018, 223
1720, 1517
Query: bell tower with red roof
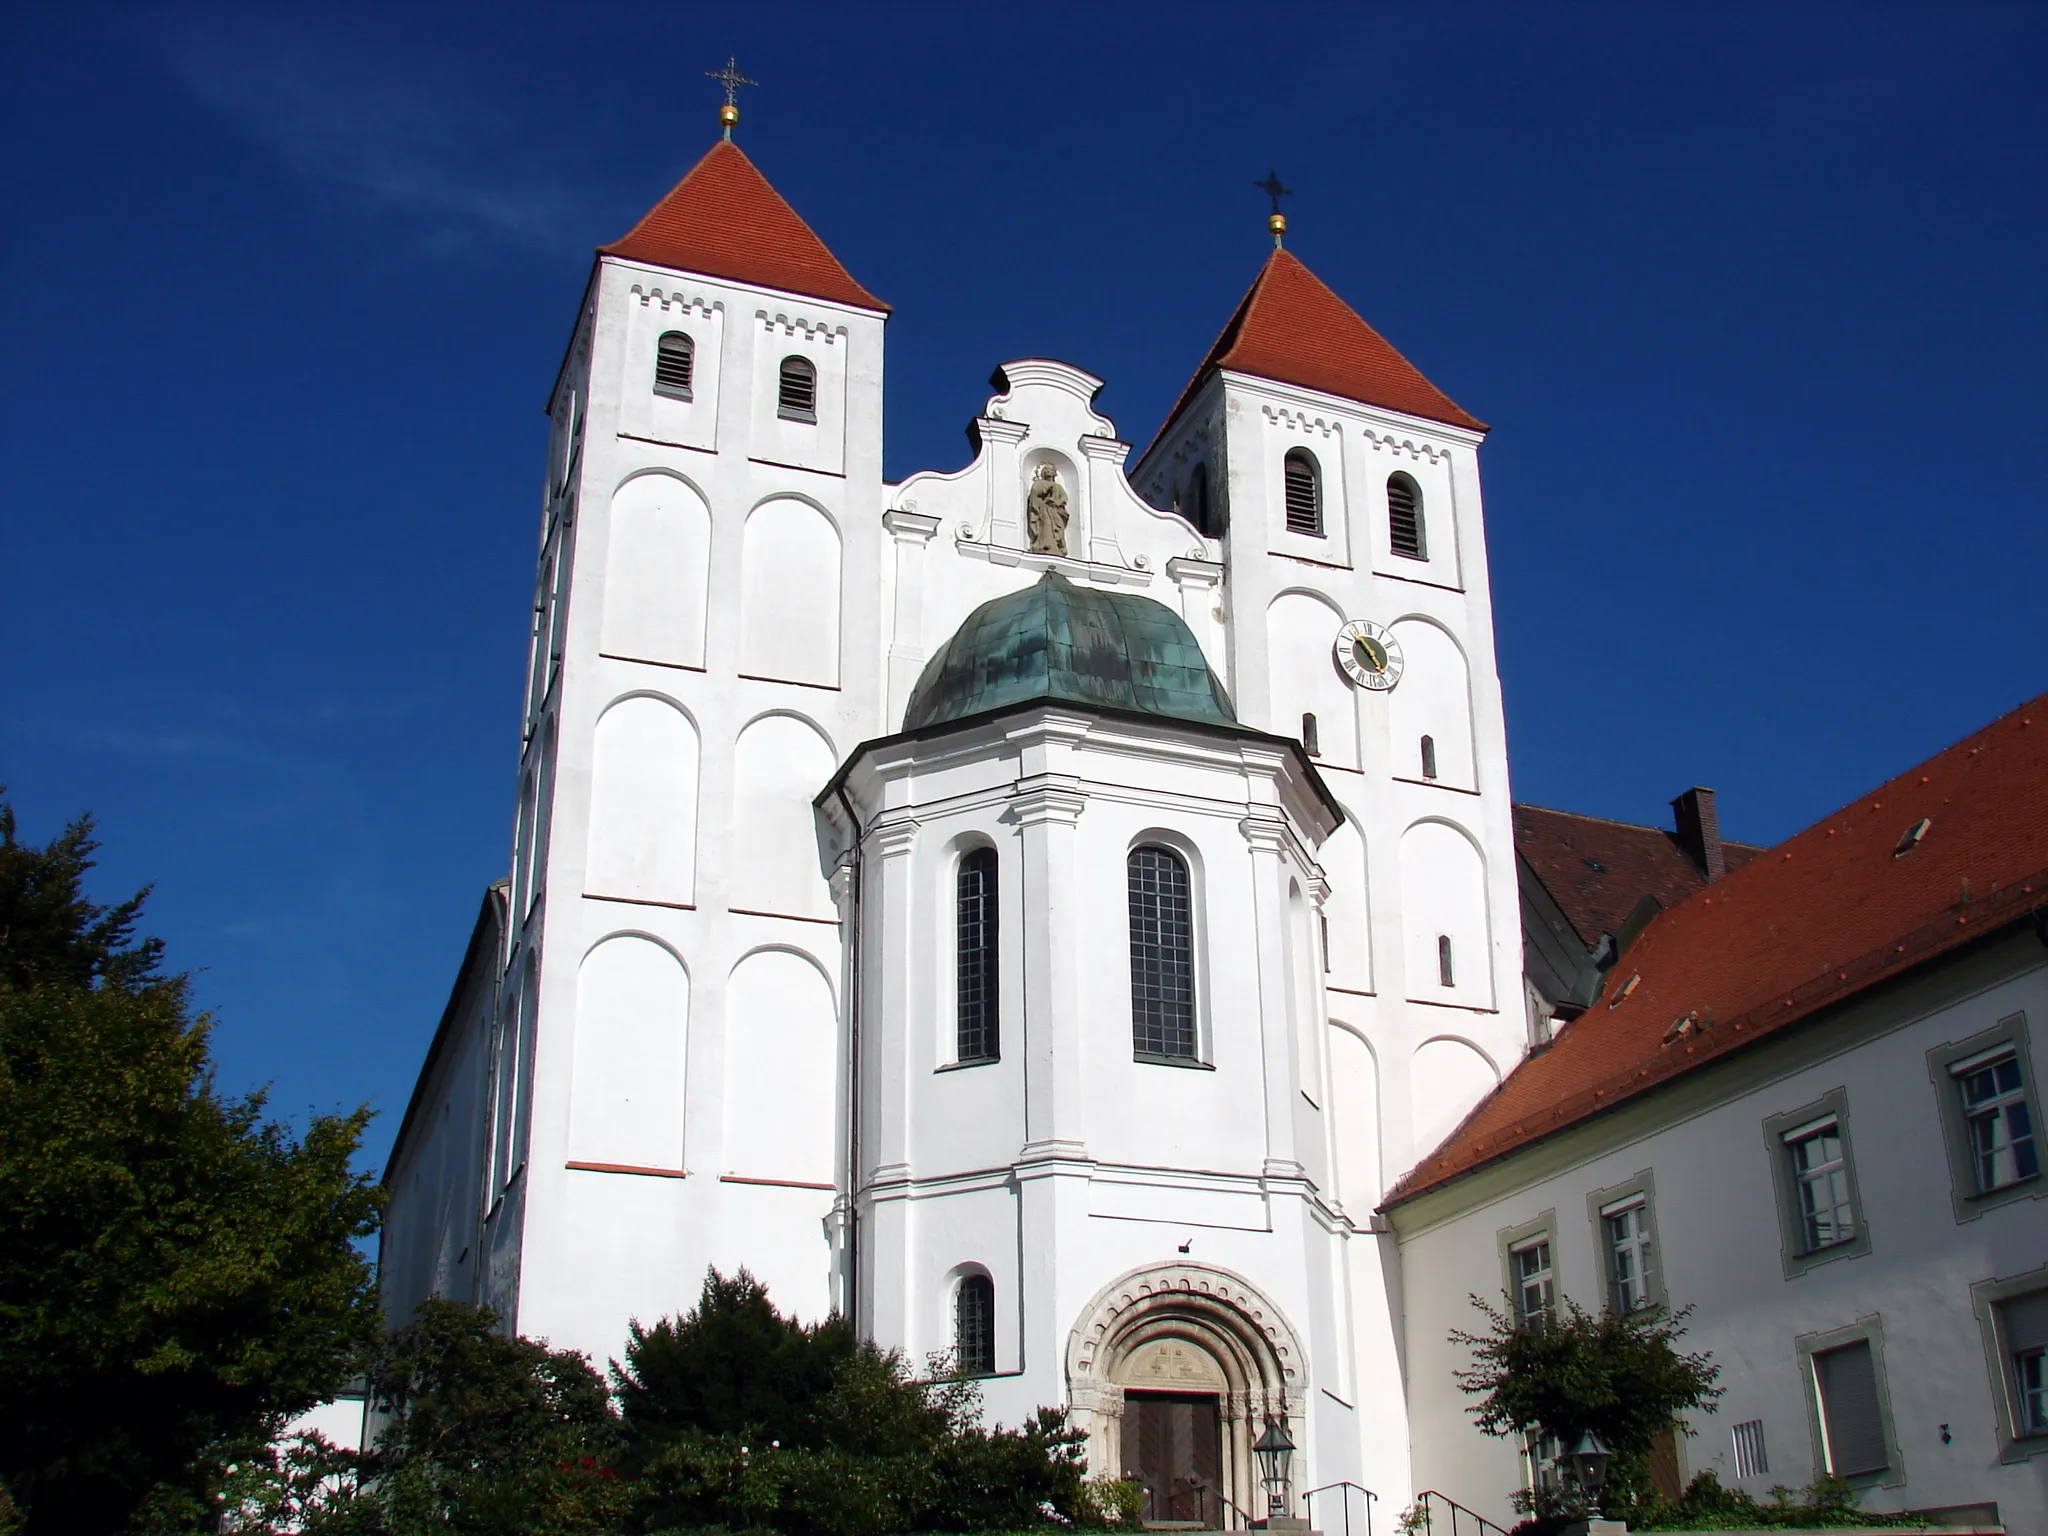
708, 590
1344, 487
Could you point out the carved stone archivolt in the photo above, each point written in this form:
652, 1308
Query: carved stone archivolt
1045, 512
1182, 1328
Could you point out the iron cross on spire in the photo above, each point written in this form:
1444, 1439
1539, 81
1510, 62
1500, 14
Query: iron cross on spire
731, 78
1272, 188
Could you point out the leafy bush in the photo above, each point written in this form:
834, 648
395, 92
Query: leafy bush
1827, 1504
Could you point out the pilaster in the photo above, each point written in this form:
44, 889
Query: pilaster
1266, 833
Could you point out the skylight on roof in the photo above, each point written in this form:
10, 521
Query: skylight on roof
1910, 838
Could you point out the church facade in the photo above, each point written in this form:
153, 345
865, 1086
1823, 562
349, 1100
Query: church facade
1037, 908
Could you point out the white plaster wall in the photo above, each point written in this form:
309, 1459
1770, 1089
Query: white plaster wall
643, 803
632, 1033
1719, 1244
655, 572
789, 594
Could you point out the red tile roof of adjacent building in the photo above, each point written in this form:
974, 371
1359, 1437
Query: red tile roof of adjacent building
1634, 862
1852, 901
724, 220
1289, 326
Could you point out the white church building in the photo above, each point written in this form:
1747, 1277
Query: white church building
1039, 909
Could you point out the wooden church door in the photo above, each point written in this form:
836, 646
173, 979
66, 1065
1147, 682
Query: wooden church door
1173, 1445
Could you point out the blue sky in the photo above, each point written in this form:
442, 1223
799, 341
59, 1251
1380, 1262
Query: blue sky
1751, 294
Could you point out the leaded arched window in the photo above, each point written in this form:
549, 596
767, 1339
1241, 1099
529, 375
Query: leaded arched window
675, 365
796, 390
1162, 955
974, 1326
1304, 486
975, 965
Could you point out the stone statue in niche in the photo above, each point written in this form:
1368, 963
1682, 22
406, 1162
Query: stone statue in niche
1045, 511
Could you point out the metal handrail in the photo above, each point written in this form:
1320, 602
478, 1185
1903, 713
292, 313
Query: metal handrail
1480, 1524
1202, 1490
1370, 1499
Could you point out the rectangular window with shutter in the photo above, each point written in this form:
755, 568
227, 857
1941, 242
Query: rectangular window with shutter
2023, 1327
1851, 1411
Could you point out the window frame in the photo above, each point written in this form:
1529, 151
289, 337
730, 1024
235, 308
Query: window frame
1305, 456
992, 956
1806, 1346
1601, 1206
686, 391
1196, 1057
2016, 1441
1795, 1257
1968, 1200
1514, 1240
783, 410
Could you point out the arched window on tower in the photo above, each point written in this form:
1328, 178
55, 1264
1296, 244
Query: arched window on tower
1162, 955
1311, 736
1445, 975
1429, 757
675, 365
1405, 530
974, 1326
1304, 493
975, 1016
796, 390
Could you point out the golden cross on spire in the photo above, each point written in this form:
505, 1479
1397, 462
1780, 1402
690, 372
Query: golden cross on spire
1271, 186
731, 78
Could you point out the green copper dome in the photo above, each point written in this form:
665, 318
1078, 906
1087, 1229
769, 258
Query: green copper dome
1075, 645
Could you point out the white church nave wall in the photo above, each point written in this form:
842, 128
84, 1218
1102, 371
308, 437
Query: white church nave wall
649, 406
657, 571
780, 762
1346, 911
1447, 930
628, 1082
1438, 710
643, 803
780, 1122
790, 594
1354, 1119
1300, 627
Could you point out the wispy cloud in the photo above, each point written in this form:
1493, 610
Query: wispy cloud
404, 128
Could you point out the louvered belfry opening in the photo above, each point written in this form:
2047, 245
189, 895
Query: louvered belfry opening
1304, 493
675, 364
1404, 518
975, 969
796, 394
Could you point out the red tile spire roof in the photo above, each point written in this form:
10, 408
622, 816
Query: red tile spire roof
1944, 854
723, 219
1289, 326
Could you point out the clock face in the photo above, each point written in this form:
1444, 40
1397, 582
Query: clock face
1369, 655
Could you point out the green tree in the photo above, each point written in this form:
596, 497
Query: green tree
179, 1275
1618, 1374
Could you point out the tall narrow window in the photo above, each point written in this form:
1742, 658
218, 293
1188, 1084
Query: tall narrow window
975, 965
2023, 1324
1999, 1121
1852, 1417
1627, 1230
1535, 1292
796, 390
1446, 975
1304, 493
1429, 757
1820, 1180
974, 1326
1311, 736
1162, 955
1405, 531
675, 365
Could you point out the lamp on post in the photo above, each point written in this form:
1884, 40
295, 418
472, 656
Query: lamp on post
1587, 1462
1276, 1457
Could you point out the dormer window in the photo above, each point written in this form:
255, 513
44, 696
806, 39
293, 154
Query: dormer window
1304, 493
796, 391
1405, 531
675, 365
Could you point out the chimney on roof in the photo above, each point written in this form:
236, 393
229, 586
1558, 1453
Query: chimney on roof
1699, 831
